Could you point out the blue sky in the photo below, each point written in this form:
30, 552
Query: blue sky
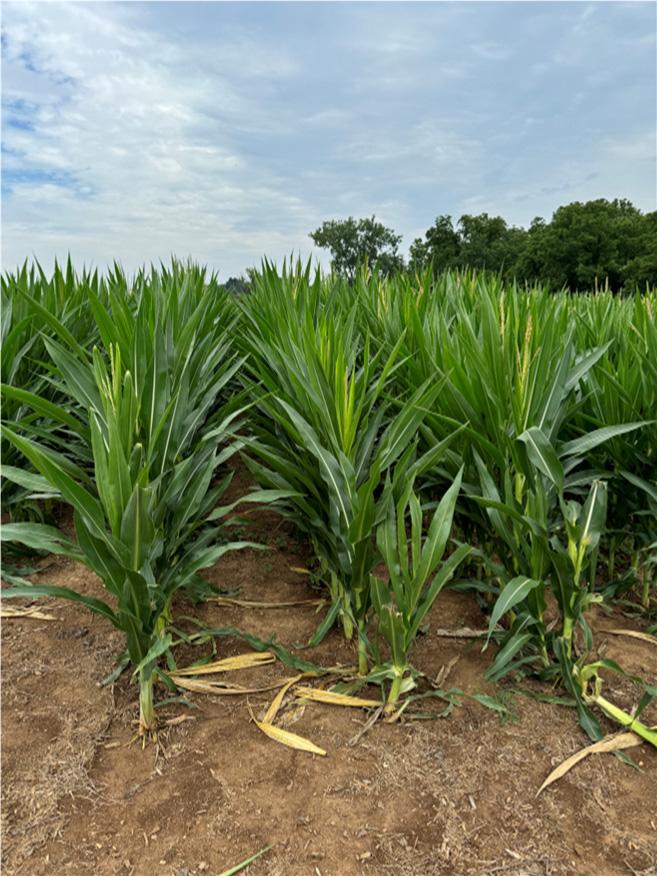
228, 131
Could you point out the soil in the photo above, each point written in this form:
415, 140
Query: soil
448, 795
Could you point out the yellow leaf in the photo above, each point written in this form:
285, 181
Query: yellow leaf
247, 603
220, 688
275, 704
230, 664
292, 740
32, 613
610, 743
335, 699
635, 634
180, 719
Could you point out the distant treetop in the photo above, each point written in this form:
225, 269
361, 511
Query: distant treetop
585, 245
353, 241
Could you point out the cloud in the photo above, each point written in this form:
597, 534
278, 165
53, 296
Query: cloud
114, 110
229, 131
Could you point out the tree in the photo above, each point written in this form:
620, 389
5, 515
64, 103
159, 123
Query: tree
530, 264
641, 270
237, 285
488, 242
351, 242
597, 243
440, 248
482, 242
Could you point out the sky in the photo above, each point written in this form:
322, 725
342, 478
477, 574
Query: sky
229, 131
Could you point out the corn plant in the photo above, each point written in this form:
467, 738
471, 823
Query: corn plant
28, 299
401, 603
323, 432
623, 386
148, 521
521, 377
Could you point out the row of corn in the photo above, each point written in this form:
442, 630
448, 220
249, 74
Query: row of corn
419, 432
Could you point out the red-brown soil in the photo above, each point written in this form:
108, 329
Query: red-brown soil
454, 795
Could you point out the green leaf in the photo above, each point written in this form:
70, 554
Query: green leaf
440, 580
161, 644
648, 488
513, 592
327, 623
594, 515
47, 465
97, 606
239, 867
28, 480
40, 537
541, 452
582, 445
515, 641
42, 406
439, 529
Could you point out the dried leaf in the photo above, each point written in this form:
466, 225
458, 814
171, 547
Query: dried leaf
292, 740
617, 742
371, 721
247, 603
335, 699
30, 612
250, 660
275, 704
635, 634
180, 719
461, 633
221, 688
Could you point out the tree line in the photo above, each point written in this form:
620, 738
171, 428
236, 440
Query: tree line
586, 245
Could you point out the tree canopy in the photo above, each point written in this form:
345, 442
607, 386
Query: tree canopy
585, 245
354, 241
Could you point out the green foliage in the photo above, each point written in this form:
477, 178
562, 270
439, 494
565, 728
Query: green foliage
148, 398
324, 430
585, 246
554, 414
401, 604
385, 416
30, 301
352, 242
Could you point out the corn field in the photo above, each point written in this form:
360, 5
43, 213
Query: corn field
419, 433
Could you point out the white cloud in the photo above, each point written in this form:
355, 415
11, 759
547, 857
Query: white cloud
132, 121
227, 131
612, 168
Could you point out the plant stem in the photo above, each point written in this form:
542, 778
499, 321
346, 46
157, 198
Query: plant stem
147, 717
543, 649
339, 594
644, 577
567, 634
362, 657
393, 695
625, 720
